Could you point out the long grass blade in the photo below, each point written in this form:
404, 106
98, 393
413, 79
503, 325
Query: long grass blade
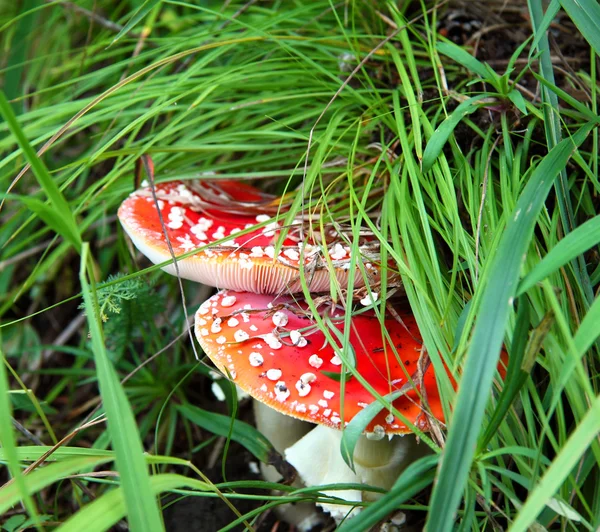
574, 244
7, 441
586, 16
58, 203
561, 467
142, 507
414, 478
219, 424
442, 133
108, 510
43, 477
483, 354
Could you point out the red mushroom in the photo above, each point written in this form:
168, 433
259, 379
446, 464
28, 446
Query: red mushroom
196, 216
272, 349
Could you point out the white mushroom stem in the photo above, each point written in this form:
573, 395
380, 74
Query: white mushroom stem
318, 460
283, 432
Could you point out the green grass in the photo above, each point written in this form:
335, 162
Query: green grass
479, 175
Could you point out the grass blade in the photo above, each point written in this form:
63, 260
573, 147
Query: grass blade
585, 14
22, 38
488, 335
515, 376
570, 247
12, 494
552, 126
416, 477
587, 333
462, 57
219, 424
58, 202
142, 508
141, 12
7, 442
444, 130
561, 467
358, 424
108, 510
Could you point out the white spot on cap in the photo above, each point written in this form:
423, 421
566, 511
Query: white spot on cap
295, 337
303, 388
269, 229
216, 326
204, 224
228, 301
233, 322
198, 232
204, 332
313, 409
257, 252
301, 408
308, 377
280, 319
274, 374
281, 391
221, 340
337, 252
336, 360
272, 341
328, 395
240, 336
291, 254
369, 299
322, 402
389, 419
263, 218
263, 388
256, 359
186, 243
315, 361
335, 419
270, 251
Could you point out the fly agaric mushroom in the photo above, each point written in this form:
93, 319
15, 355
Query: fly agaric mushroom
272, 349
198, 214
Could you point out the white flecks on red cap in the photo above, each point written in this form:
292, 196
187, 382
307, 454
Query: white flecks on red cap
315, 361
274, 374
264, 355
248, 262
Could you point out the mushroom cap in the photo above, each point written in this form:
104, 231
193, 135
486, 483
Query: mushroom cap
195, 216
272, 349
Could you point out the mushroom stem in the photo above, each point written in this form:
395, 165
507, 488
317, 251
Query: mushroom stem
318, 460
283, 432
